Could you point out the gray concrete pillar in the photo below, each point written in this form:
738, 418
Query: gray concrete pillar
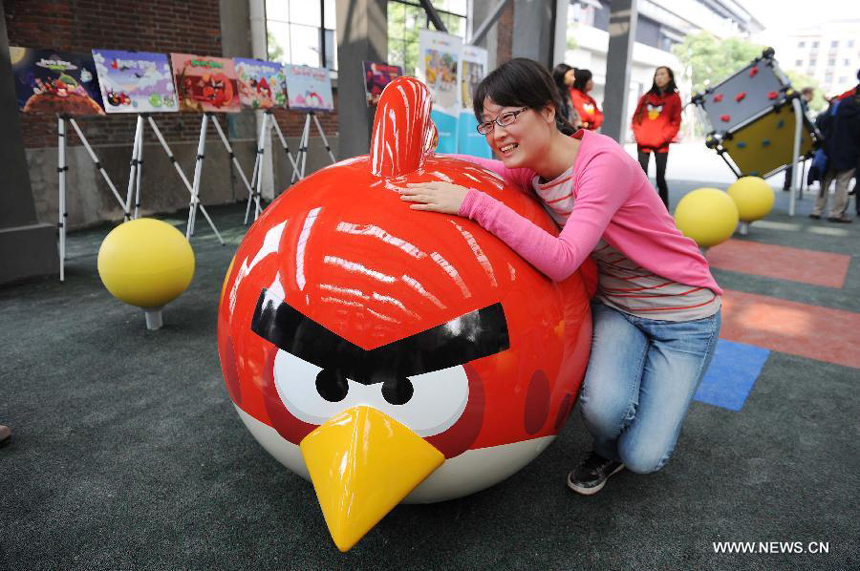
362, 35
481, 9
559, 43
481, 12
27, 249
237, 41
535, 30
622, 35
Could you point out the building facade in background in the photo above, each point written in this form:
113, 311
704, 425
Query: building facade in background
828, 52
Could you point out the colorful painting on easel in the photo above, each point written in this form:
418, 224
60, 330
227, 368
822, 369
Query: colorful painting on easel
261, 83
376, 77
55, 83
135, 82
308, 88
205, 84
438, 67
473, 69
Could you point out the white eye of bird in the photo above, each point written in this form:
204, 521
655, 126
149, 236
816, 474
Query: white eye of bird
313, 394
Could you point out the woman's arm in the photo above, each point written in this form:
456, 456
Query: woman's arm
603, 187
605, 183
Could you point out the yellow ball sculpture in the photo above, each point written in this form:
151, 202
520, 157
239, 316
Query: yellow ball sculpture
146, 263
753, 197
707, 215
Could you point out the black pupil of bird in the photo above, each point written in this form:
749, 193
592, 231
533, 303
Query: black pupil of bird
331, 385
397, 391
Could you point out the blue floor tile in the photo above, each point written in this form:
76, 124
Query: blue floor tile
733, 371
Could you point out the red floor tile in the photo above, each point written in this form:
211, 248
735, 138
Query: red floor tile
830, 335
792, 264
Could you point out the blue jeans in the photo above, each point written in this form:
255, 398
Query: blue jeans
641, 378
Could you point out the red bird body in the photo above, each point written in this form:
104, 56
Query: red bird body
339, 279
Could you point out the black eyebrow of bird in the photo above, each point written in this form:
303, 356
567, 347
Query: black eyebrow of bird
476, 334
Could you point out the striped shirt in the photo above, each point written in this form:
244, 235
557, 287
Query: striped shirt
623, 284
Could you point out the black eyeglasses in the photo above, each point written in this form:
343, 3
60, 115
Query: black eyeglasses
502, 120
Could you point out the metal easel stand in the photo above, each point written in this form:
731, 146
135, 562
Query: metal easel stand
136, 167
269, 121
303, 146
233, 157
257, 174
189, 186
198, 171
62, 169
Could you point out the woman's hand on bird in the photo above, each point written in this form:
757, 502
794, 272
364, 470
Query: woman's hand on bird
434, 196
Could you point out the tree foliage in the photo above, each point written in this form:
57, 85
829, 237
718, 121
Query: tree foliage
708, 60
276, 51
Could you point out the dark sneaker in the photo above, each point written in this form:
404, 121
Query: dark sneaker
841, 219
5, 435
590, 476
815, 216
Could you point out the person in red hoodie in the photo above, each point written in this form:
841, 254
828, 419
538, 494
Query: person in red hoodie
584, 104
656, 121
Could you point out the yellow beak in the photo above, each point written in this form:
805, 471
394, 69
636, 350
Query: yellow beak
362, 463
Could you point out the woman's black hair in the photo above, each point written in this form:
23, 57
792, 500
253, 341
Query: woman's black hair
558, 73
670, 87
521, 82
581, 78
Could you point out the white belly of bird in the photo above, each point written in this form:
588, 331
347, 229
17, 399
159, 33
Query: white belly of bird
470, 472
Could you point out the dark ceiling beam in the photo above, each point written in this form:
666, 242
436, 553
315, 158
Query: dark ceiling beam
433, 15
485, 26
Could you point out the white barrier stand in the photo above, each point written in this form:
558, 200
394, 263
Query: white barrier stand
798, 179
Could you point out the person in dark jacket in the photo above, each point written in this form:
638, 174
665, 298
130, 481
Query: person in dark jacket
656, 123
842, 146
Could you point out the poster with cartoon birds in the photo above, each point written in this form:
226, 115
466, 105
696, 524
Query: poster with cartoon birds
135, 82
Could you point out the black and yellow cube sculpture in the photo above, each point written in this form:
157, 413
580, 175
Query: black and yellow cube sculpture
750, 120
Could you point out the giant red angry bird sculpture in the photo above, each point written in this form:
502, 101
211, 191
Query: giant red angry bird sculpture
392, 355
